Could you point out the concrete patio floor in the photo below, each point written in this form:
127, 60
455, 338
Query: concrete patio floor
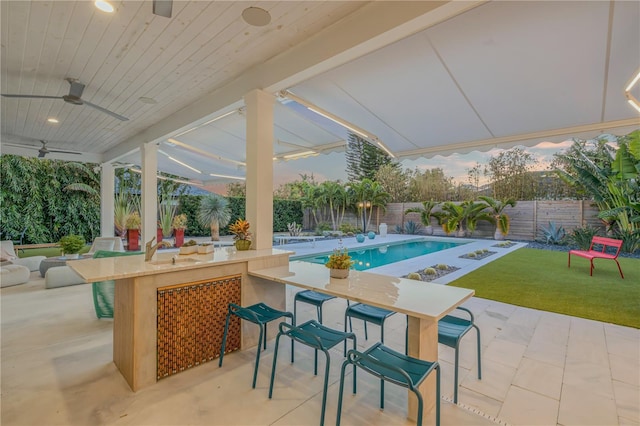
537, 368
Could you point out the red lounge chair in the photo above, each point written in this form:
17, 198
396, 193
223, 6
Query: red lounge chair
600, 254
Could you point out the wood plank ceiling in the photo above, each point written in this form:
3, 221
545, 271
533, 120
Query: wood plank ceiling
424, 77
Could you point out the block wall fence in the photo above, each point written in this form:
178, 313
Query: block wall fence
527, 218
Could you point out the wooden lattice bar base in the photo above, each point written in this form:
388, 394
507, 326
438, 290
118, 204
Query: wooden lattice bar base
191, 320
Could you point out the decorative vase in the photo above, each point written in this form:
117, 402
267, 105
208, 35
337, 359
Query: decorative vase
338, 273
243, 244
179, 236
371, 235
360, 238
159, 235
133, 244
72, 256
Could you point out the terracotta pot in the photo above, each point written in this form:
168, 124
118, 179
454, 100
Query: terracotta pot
243, 244
338, 273
133, 236
179, 236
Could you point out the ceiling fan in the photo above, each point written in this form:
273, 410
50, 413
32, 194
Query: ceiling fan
74, 97
43, 150
162, 8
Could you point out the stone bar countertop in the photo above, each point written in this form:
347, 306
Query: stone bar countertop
115, 268
415, 298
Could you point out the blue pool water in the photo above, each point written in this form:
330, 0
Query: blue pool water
374, 256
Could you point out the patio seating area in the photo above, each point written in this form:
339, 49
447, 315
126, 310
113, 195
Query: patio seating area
538, 368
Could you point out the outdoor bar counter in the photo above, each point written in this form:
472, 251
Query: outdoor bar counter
423, 303
169, 316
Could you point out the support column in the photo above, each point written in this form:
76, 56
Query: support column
423, 344
107, 190
149, 214
259, 208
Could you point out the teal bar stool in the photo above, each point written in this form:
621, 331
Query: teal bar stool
367, 313
318, 337
393, 367
451, 330
104, 291
313, 298
259, 314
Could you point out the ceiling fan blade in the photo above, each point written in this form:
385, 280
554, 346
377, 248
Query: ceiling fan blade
162, 8
76, 88
106, 111
31, 96
64, 152
17, 145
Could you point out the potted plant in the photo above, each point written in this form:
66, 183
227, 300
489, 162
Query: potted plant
71, 245
241, 234
179, 225
500, 219
339, 263
189, 247
166, 212
133, 231
204, 248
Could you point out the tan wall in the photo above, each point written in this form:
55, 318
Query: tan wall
527, 218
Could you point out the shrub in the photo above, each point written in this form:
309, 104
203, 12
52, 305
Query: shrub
414, 276
472, 254
412, 228
430, 271
348, 229
71, 244
442, 266
479, 251
581, 237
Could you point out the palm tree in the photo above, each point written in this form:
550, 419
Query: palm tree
367, 194
500, 219
426, 213
214, 212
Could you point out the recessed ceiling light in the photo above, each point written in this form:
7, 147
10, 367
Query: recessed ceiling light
52, 120
146, 100
256, 16
104, 6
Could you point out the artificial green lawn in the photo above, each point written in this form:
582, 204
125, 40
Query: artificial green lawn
540, 279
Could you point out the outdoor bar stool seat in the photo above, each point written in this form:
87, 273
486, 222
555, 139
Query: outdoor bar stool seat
367, 313
313, 298
318, 337
394, 367
451, 330
259, 314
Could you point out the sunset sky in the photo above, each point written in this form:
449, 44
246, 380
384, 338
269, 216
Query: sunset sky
332, 166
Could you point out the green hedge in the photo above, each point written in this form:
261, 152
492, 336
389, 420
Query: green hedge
32, 196
284, 212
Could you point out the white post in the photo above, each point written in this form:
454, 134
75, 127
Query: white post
259, 181
107, 188
149, 152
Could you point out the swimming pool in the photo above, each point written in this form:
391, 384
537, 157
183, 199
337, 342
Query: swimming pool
374, 256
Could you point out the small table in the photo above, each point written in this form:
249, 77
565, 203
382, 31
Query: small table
51, 262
